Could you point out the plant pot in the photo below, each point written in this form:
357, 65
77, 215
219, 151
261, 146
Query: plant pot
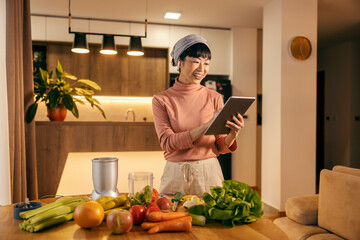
57, 114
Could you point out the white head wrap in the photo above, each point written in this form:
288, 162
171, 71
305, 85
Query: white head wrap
184, 43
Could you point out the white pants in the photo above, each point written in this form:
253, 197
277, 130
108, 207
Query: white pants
191, 177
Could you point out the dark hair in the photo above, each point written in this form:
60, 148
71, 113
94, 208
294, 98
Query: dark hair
196, 50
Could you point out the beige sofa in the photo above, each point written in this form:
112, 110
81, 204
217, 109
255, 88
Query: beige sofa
332, 214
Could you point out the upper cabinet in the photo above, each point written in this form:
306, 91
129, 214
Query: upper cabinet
119, 75
220, 42
158, 36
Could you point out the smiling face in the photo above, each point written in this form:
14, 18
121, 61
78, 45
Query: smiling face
193, 69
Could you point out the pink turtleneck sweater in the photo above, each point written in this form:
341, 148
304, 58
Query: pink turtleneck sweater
180, 109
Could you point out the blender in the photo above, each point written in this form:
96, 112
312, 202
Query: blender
105, 176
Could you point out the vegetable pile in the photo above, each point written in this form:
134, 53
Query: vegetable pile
143, 197
233, 203
167, 222
51, 214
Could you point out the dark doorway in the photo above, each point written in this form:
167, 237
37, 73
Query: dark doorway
320, 118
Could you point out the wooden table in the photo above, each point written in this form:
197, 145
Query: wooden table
262, 229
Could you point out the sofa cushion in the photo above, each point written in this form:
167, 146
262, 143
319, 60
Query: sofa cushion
296, 230
348, 170
325, 236
339, 208
303, 210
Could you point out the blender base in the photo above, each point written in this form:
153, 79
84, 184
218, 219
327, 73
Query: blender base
95, 195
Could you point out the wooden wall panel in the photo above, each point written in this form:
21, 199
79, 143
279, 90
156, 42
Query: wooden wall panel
118, 75
55, 140
111, 72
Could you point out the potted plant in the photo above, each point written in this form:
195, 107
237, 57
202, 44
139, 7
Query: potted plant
58, 94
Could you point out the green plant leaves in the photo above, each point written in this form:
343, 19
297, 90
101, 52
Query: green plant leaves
68, 102
60, 91
75, 111
68, 75
59, 70
90, 83
30, 113
83, 92
53, 97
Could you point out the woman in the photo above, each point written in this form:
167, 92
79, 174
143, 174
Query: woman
182, 113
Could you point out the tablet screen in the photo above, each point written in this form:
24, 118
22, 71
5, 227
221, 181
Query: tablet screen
233, 105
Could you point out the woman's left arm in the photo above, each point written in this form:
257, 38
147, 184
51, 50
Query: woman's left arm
235, 128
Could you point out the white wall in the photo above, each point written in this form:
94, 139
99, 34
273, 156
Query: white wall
342, 104
244, 81
271, 112
5, 192
289, 103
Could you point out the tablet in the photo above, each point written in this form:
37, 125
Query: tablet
232, 106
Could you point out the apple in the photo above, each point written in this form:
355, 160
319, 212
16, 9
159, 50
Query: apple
163, 203
119, 221
138, 212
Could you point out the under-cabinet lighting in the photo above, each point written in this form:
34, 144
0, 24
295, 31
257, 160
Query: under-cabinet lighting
172, 15
118, 98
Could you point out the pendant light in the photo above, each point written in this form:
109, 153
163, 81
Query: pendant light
80, 44
135, 47
108, 45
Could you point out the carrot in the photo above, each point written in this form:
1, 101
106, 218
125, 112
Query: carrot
148, 225
162, 216
168, 226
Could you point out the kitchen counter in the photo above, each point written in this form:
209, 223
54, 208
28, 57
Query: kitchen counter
262, 229
78, 169
55, 140
93, 123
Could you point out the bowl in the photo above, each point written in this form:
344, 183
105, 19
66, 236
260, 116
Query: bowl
21, 207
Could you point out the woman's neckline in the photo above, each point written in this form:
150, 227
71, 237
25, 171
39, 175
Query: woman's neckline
186, 87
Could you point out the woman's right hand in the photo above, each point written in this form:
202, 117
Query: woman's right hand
196, 133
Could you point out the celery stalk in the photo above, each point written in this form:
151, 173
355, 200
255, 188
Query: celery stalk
198, 220
29, 214
58, 211
50, 222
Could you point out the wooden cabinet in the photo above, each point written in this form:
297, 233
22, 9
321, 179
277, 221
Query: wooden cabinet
120, 74
159, 36
54, 140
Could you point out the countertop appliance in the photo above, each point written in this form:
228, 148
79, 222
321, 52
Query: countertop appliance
105, 176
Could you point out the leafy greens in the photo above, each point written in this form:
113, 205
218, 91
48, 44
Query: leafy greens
143, 197
233, 203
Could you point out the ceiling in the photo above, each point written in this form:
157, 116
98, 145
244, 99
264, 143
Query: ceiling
338, 21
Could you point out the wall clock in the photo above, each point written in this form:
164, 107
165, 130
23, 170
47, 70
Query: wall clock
300, 48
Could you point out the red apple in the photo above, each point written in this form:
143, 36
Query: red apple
163, 203
119, 221
138, 213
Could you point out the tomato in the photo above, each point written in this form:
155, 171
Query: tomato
89, 214
138, 212
150, 210
151, 204
155, 195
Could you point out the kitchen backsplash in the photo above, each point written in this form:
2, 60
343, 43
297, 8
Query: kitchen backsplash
115, 109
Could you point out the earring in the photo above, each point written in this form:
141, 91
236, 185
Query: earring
178, 66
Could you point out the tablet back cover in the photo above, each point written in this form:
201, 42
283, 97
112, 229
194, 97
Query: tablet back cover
232, 106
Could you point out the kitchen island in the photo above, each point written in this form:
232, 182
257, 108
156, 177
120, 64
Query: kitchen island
78, 169
55, 140
262, 229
